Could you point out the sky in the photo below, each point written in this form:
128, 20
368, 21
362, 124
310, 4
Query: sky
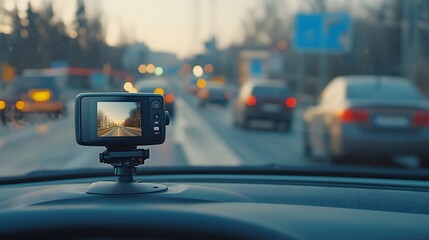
166, 25
117, 111
175, 26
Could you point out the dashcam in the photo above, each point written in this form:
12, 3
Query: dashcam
120, 119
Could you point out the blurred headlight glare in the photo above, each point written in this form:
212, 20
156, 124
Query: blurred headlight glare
159, 91
20, 105
169, 98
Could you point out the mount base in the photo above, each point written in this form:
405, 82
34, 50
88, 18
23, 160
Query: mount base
124, 188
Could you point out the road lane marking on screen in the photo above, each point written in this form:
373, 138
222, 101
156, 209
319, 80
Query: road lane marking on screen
201, 144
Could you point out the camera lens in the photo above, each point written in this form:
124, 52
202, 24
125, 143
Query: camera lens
156, 104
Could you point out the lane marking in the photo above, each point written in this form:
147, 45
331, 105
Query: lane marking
200, 143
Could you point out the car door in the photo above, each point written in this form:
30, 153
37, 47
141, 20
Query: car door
241, 99
323, 118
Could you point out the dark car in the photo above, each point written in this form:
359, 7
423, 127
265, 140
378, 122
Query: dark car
191, 86
214, 94
34, 95
264, 100
161, 87
368, 116
8, 98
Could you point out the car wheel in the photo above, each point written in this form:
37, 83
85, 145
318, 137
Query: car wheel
288, 126
329, 153
424, 161
244, 122
235, 120
308, 151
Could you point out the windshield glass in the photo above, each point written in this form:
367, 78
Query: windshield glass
271, 59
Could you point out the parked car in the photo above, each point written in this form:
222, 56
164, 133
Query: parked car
264, 100
368, 116
214, 94
160, 86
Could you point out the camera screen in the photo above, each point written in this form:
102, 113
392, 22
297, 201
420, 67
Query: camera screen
119, 119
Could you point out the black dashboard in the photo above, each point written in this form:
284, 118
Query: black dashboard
221, 206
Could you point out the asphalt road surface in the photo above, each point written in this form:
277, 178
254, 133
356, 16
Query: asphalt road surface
120, 131
196, 136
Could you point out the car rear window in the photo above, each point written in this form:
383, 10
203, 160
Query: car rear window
216, 89
385, 90
270, 91
28, 83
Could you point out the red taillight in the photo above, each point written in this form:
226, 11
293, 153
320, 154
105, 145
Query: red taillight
203, 94
251, 101
290, 102
228, 95
353, 115
421, 118
169, 98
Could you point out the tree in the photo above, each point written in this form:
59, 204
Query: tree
271, 25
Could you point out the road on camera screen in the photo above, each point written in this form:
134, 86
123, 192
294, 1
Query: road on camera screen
119, 131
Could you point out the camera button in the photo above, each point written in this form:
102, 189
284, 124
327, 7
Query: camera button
156, 104
156, 123
156, 128
156, 116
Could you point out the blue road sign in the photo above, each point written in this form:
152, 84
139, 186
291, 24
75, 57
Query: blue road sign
256, 68
323, 32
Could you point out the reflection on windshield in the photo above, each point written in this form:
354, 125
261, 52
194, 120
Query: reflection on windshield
288, 82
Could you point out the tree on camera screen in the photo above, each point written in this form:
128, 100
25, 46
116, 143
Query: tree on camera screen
119, 119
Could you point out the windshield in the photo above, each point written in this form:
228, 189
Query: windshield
252, 50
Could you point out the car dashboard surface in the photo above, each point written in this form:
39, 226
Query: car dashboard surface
220, 205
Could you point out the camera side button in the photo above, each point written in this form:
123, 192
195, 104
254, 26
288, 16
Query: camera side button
156, 104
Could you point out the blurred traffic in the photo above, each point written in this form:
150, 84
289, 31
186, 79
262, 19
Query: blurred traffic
368, 116
302, 83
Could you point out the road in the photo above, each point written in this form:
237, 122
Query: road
196, 136
119, 131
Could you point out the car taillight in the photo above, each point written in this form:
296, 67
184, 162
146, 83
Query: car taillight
354, 115
169, 98
228, 95
251, 101
421, 118
290, 102
40, 95
203, 94
20, 105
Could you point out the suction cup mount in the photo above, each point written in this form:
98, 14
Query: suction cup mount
124, 161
